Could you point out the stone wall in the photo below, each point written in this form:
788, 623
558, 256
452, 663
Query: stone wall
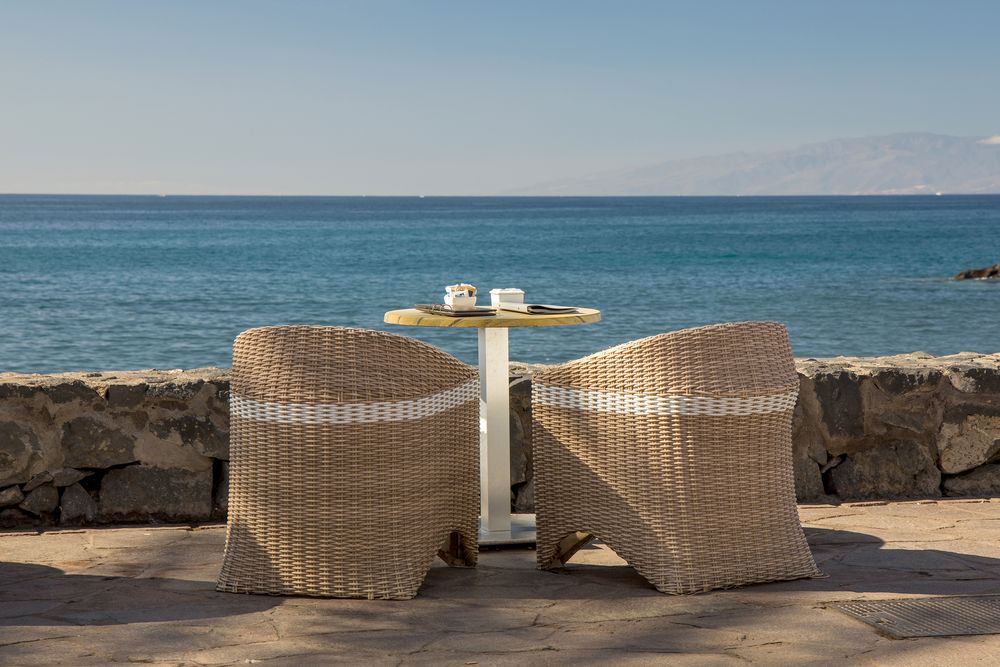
113, 447
911, 426
154, 445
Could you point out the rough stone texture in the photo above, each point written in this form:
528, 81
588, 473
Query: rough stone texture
43, 500
908, 426
892, 470
138, 493
10, 496
892, 426
76, 505
983, 481
147, 595
220, 494
18, 447
524, 501
521, 463
839, 392
67, 476
80, 427
810, 456
198, 433
44, 477
969, 443
88, 443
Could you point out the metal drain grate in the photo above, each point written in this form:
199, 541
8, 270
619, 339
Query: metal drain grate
928, 617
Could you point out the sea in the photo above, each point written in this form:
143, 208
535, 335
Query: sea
134, 282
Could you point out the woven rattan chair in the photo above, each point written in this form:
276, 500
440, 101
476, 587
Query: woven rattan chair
675, 450
353, 462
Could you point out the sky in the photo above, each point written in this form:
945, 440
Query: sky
464, 97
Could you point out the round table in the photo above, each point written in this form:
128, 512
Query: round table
496, 524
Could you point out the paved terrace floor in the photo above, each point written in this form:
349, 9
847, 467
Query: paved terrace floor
145, 595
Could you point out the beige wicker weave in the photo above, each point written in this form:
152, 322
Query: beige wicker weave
354, 459
675, 450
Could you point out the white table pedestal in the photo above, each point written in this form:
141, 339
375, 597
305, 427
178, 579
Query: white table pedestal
496, 525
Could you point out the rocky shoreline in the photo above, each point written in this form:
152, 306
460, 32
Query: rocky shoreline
986, 273
149, 446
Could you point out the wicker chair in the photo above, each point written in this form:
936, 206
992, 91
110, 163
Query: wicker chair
354, 461
676, 451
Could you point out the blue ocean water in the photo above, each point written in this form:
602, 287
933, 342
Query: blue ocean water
137, 282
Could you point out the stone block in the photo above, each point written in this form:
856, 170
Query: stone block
220, 494
18, 447
520, 386
892, 470
808, 480
43, 500
198, 433
13, 389
839, 395
88, 443
973, 379
898, 414
44, 477
169, 453
76, 505
10, 496
524, 498
907, 419
808, 444
518, 451
179, 390
897, 381
970, 443
126, 395
983, 481
141, 493
72, 390
67, 476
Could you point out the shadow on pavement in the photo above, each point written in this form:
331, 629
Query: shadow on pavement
41, 595
853, 562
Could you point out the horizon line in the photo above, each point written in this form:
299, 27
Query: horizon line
484, 196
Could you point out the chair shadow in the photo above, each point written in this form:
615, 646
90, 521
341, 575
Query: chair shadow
852, 562
860, 563
33, 595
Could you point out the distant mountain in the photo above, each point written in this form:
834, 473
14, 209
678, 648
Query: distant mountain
912, 163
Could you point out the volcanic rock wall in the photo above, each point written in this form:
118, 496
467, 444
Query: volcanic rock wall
143, 446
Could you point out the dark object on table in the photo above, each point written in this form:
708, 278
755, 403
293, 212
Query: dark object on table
537, 308
441, 309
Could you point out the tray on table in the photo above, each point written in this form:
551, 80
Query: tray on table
448, 311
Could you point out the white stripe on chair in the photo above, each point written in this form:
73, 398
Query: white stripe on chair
674, 404
353, 413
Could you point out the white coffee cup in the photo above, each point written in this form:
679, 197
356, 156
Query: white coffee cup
460, 301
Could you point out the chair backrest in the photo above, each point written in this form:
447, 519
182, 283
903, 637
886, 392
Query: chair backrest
338, 364
737, 359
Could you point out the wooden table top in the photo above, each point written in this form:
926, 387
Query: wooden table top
503, 318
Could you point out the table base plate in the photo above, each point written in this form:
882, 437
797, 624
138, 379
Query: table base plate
522, 531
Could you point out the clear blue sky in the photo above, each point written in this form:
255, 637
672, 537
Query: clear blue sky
463, 97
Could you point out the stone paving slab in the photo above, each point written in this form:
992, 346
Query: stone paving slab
146, 595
